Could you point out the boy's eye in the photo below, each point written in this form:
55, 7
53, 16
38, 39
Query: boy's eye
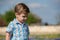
24, 16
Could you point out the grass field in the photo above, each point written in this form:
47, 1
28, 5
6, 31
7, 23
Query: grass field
39, 32
45, 35
38, 37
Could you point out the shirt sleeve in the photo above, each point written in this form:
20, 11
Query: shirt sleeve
10, 28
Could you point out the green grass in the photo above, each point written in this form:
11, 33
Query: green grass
2, 36
45, 35
38, 36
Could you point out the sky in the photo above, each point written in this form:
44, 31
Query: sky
47, 10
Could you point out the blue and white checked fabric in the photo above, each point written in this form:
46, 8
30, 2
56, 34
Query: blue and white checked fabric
19, 31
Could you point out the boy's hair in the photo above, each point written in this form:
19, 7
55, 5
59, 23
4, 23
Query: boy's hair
21, 5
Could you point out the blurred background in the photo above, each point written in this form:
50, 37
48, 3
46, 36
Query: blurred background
43, 20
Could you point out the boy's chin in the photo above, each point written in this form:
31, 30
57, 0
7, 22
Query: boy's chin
22, 21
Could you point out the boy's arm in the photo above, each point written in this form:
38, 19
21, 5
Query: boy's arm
9, 30
7, 36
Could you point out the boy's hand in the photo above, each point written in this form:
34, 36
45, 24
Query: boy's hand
7, 36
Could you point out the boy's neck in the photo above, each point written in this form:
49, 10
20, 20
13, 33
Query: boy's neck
19, 21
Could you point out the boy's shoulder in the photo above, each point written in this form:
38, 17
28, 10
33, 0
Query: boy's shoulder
11, 22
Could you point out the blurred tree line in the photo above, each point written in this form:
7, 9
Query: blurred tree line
10, 15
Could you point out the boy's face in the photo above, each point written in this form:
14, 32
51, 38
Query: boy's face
21, 17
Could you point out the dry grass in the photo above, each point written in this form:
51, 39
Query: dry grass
38, 30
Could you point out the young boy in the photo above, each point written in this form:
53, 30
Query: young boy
18, 29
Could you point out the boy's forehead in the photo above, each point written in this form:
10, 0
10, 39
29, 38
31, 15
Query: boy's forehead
23, 14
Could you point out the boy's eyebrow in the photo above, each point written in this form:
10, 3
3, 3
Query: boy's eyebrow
25, 16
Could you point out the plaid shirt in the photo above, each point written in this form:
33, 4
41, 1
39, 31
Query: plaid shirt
19, 31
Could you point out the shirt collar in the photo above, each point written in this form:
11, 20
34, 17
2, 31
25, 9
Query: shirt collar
17, 22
